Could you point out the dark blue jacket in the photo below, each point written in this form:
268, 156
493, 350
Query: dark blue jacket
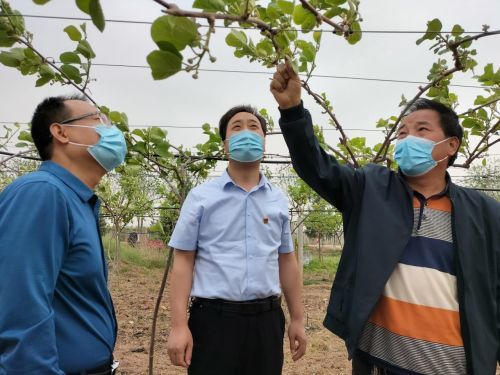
376, 205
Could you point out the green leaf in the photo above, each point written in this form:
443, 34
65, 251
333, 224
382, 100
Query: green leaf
10, 59
317, 36
300, 14
335, 2
41, 2
115, 117
21, 144
308, 49
309, 23
97, 15
356, 33
72, 73
178, 31
47, 71
73, 33
163, 149
157, 134
273, 11
6, 40
332, 12
25, 136
286, 6
457, 30
70, 58
210, 5
85, 49
42, 81
164, 64
433, 29
236, 39
83, 5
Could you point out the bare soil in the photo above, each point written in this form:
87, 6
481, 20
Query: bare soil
134, 291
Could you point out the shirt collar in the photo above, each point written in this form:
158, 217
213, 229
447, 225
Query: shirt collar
69, 179
225, 179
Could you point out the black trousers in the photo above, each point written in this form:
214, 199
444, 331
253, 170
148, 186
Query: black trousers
233, 343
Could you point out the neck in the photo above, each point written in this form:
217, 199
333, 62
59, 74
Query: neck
90, 175
245, 175
431, 183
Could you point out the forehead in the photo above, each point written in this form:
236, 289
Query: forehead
243, 116
79, 107
428, 116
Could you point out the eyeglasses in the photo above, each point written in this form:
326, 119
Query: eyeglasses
102, 118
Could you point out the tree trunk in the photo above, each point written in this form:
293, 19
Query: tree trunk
319, 249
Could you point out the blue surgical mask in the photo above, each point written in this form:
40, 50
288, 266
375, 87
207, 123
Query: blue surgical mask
246, 146
414, 155
111, 148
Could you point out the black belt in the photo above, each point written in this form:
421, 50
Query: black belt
255, 306
100, 370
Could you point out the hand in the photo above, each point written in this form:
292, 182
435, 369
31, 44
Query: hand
286, 86
180, 346
298, 340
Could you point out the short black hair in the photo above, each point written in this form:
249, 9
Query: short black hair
226, 117
50, 110
448, 120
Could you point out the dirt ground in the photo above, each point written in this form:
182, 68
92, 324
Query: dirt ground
134, 293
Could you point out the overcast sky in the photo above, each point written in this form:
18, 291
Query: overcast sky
183, 101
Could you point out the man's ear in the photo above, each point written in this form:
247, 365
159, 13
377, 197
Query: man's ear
225, 146
454, 144
58, 132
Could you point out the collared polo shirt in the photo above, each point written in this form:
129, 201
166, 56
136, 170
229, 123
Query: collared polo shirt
415, 326
56, 313
238, 236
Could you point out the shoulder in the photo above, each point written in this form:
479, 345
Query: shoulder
38, 184
477, 197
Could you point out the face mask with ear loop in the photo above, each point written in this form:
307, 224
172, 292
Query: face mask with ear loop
111, 148
414, 155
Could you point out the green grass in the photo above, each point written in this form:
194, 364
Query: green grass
141, 257
321, 271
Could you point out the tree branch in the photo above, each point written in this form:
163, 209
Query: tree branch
54, 66
385, 146
174, 10
475, 37
475, 153
343, 138
344, 29
479, 107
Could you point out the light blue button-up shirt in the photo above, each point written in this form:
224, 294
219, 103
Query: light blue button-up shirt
238, 236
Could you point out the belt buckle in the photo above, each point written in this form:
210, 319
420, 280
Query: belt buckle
114, 366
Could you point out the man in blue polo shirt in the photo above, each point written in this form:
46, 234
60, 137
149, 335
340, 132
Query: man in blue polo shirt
56, 314
234, 256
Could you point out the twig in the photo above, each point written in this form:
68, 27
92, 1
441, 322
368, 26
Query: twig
384, 148
344, 29
479, 107
343, 138
157, 308
475, 153
54, 66
174, 10
3, 161
475, 37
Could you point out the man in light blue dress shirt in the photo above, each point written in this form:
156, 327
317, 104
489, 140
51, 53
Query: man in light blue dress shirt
234, 257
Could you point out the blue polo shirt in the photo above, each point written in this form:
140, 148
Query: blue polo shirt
56, 313
238, 236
